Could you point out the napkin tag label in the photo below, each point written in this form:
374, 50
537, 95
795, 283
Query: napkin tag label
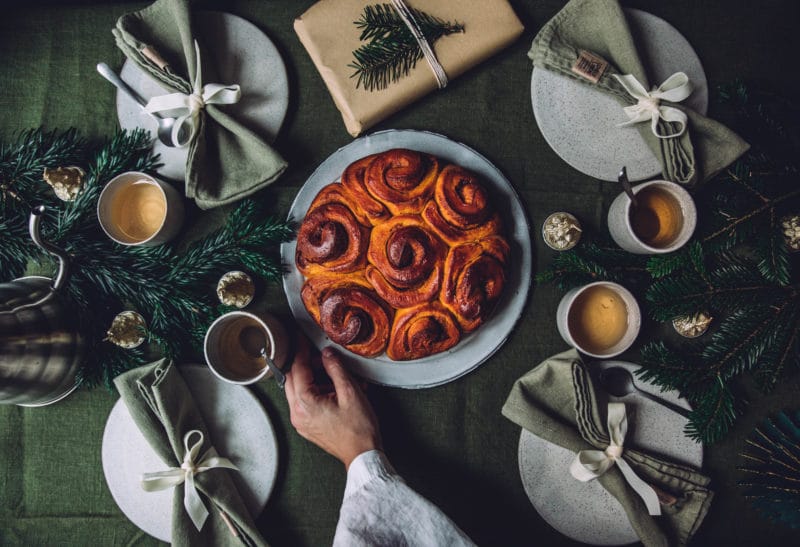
589, 66
155, 57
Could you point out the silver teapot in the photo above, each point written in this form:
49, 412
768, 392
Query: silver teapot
41, 347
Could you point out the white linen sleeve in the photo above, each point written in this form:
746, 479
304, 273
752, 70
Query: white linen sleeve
380, 509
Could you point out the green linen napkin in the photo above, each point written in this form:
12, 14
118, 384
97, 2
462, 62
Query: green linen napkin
226, 161
600, 27
163, 408
556, 401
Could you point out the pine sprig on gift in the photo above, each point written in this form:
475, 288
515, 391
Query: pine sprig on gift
392, 51
173, 291
737, 268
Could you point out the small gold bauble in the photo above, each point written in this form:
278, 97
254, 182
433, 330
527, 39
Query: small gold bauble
561, 231
236, 289
127, 330
692, 326
790, 225
66, 181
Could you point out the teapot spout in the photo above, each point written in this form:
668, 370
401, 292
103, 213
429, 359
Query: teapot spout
61, 276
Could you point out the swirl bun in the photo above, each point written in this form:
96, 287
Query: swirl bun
405, 256
461, 210
402, 180
353, 181
331, 239
474, 277
405, 260
421, 331
349, 312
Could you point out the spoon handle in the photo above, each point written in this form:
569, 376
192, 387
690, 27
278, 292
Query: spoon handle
673, 407
106, 72
280, 377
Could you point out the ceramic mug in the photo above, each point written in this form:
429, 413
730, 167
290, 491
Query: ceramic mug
135, 208
663, 220
232, 358
601, 319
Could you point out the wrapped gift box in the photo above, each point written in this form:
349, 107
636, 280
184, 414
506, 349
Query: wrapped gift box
329, 34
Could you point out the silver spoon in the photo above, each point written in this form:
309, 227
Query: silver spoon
165, 125
254, 343
618, 382
626, 185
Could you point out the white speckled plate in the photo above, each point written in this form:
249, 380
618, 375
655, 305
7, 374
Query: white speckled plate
244, 55
474, 348
585, 511
240, 430
579, 123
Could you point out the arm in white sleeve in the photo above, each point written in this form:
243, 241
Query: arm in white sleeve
380, 509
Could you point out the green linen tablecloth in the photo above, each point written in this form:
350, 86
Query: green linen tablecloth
451, 442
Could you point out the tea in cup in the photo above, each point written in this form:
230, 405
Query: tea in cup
601, 319
234, 342
662, 221
138, 209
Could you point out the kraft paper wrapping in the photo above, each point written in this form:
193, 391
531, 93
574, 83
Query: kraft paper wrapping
328, 33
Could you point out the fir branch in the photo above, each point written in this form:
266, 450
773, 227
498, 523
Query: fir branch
392, 51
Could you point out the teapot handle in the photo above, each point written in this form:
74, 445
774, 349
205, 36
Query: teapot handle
63, 258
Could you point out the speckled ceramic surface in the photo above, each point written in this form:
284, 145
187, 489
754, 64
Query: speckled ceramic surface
244, 55
585, 511
474, 348
579, 123
239, 428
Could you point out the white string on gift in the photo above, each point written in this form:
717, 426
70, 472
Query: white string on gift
674, 89
186, 107
408, 18
174, 476
590, 464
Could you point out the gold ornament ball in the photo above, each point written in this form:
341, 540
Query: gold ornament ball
66, 182
127, 330
692, 326
790, 225
236, 289
561, 231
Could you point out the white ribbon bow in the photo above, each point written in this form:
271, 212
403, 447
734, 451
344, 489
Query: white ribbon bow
590, 464
176, 475
674, 89
186, 108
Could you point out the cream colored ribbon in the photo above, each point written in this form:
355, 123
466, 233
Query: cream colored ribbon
590, 464
674, 89
186, 108
408, 18
174, 476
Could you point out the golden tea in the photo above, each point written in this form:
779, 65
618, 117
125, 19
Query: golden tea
598, 319
138, 210
657, 219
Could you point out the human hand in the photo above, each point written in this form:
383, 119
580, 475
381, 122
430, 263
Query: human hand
336, 417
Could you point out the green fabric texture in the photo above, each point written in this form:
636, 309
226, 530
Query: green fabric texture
226, 161
450, 442
556, 401
600, 27
162, 407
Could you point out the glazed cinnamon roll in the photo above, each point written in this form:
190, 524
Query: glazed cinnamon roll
474, 277
349, 312
402, 179
331, 239
353, 180
461, 210
405, 261
421, 331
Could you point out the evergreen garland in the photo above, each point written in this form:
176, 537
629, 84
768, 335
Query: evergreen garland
392, 51
772, 469
173, 291
737, 267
